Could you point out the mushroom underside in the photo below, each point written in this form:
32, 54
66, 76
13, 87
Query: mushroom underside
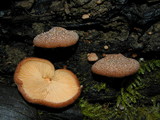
39, 81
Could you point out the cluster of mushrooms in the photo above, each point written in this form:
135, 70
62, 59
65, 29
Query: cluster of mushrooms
39, 82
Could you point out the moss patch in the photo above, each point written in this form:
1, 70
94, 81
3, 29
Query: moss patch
129, 105
130, 94
104, 112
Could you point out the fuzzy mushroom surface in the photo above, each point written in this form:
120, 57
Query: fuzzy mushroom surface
115, 65
56, 37
39, 82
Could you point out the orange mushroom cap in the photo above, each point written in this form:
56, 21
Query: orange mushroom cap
56, 37
115, 65
39, 82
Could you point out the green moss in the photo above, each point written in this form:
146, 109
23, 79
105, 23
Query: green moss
139, 113
149, 113
103, 112
149, 66
96, 86
129, 94
100, 86
93, 111
127, 107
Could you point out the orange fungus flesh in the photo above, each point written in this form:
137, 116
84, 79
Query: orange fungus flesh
40, 83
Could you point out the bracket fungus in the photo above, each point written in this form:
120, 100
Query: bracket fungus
39, 82
56, 37
115, 65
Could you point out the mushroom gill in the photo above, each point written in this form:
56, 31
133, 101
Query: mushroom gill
40, 83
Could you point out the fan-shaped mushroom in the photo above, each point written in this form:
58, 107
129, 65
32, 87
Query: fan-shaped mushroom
40, 83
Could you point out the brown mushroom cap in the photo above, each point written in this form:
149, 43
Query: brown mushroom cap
92, 57
115, 65
56, 37
40, 83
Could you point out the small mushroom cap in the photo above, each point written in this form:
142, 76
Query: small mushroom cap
56, 37
115, 65
92, 57
40, 83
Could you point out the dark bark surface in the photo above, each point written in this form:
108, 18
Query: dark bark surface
13, 106
130, 27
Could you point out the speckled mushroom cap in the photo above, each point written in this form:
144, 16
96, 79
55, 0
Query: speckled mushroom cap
56, 37
39, 82
115, 65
